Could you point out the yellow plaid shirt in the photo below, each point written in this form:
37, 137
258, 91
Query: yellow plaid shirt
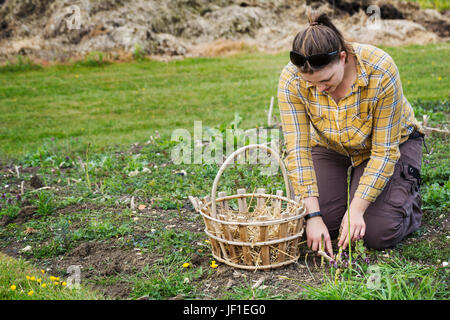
368, 123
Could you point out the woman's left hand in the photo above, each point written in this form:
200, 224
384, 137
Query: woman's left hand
357, 227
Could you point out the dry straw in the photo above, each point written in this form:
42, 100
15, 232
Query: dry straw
263, 231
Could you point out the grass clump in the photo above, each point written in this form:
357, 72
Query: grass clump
20, 281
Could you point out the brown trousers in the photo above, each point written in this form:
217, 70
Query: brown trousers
397, 210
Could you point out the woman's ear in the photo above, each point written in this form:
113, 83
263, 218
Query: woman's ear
343, 56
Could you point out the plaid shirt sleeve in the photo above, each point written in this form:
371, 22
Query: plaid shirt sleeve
386, 133
296, 130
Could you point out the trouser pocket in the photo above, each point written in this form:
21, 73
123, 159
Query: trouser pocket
403, 192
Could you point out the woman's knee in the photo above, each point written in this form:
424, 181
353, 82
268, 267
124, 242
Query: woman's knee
383, 235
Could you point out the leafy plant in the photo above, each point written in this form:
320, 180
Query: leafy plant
10, 205
45, 203
436, 197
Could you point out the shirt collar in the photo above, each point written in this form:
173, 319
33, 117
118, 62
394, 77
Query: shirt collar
362, 79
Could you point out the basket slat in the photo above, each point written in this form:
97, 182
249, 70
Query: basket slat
212, 228
260, 201
209, 227
282, 234
228, 236
242, 201
263, 234
298, 227
243, 237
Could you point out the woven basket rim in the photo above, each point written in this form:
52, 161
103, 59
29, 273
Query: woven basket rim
253, 223
255, 244
258, 267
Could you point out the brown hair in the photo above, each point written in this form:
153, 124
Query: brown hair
321, 36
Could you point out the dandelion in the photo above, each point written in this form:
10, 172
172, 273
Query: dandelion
13, 287
42, 271
28, 277
39, 280
30, 293
439, 78
185, 265
56, 283
213, 264
44, 285
32, 278
52, 278
64, 284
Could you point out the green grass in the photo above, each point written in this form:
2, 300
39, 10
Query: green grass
393, 279
14, 273
126, 103
440, 5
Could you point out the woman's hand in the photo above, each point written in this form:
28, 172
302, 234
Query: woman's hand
357, 227
315, 228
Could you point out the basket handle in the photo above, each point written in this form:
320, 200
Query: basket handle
231, 158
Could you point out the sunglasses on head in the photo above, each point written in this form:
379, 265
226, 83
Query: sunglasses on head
315, 60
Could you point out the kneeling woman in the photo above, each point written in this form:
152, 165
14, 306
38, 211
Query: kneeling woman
342, 104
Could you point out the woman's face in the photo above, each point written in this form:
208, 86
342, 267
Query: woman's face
330, 77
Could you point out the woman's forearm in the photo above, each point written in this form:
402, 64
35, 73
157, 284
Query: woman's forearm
358, 204
311, 204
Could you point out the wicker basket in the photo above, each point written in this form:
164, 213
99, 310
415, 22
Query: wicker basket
263, 238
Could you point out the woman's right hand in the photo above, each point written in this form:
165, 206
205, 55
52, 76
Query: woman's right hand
315, 228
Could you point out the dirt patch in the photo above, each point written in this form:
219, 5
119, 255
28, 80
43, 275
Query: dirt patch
105, 259
26, 213
36, 182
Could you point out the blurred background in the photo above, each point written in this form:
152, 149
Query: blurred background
50, 30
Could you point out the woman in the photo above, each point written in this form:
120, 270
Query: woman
342, 105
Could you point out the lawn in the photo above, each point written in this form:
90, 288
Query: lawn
101, 191
126, 103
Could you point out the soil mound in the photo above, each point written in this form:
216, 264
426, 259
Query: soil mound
60, 30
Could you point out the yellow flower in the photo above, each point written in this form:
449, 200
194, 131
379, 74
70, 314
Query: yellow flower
207, 241
32, 278
43, 285
43, 271
39, 280
439, 78
64, 284
213, 264
55, 283
30, 293
57, 279
185, 265
52, 278
13, 287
